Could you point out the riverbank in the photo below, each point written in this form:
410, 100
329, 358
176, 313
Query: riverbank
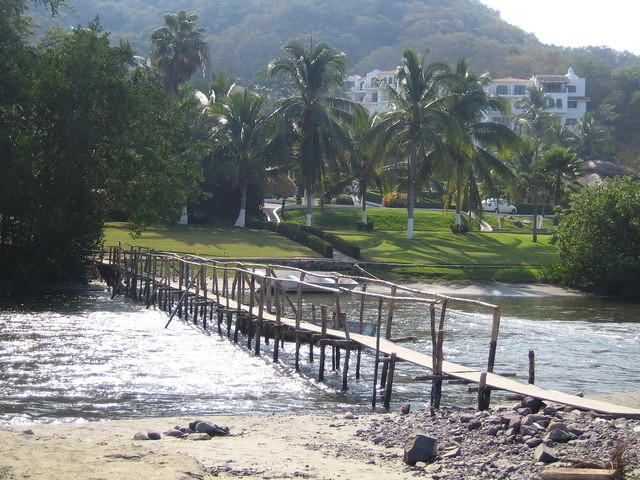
341, 446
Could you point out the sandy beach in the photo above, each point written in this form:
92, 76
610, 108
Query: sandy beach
339, 446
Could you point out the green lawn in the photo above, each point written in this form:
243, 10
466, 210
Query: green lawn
209, 241
509, 222
446, 248
383, 218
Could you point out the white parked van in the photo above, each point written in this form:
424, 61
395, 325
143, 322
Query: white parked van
501, 206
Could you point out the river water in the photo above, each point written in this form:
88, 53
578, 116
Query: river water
79, 356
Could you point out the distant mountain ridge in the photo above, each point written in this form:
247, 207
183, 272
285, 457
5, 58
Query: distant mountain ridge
245, 34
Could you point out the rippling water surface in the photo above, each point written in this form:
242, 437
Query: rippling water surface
69, 357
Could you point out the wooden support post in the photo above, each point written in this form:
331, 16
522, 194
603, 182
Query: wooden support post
345, 369
387, 333
436, 385
532, 367
389, 386
277, 326
229, 320
220, 316
323, 347
235, 329
358, 360
495, 329
361, 319
376, 363
483, 392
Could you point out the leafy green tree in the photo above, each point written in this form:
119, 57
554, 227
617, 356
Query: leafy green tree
593, 140
473, 153
415, 125
599, 239
562, 166
178, 49
314, 117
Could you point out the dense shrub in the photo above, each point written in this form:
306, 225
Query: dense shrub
599, 239
401, 202
344, 199
529, 208
365, 227
338, 243
297, 234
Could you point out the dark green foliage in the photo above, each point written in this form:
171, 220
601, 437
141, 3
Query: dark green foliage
365, 227
296, 233
338, 243
344, 199
599, 239
82, 133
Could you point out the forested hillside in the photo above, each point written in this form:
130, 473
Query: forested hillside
245, 34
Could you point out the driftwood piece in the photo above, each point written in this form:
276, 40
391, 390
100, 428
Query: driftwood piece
577, 474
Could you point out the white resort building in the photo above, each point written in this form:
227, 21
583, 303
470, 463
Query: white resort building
370, 90
567, 91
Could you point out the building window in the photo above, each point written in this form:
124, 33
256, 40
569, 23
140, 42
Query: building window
571, 122
571, 88
572, 104
559, 103
552, 87
374, 97
502, 90
519, 90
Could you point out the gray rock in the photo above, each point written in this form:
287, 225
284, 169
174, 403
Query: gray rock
185, 430
474, 425
141, 436
210, 429
198, 436
174, 433
154, 436
549, 410
493, 431
559, 435
534, 418
28, 431
420, 448
533, 442
545, 454
533, 404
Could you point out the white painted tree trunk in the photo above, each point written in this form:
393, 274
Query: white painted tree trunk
184, 216
458, 219
309, 209
242, 215
410, 229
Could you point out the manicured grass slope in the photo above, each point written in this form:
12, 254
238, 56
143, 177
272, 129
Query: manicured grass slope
209, 241
445, 248
382, 218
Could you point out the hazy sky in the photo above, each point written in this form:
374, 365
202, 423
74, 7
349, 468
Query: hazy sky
576, 23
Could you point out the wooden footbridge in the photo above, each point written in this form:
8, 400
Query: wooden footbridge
252, 300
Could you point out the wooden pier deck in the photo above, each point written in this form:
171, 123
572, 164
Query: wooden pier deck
199, 287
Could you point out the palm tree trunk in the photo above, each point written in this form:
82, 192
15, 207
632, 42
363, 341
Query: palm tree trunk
458, 196
411, 193
240, 221
363, 201
309, 206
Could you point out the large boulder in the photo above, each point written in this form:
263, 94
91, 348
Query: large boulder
420, 448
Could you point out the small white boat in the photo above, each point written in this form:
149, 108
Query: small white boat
290, 279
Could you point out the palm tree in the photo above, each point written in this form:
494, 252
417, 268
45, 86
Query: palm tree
242, 125
537, 123
473, 154
178, 49
562, 166
314, 117
418, 119
593, 139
